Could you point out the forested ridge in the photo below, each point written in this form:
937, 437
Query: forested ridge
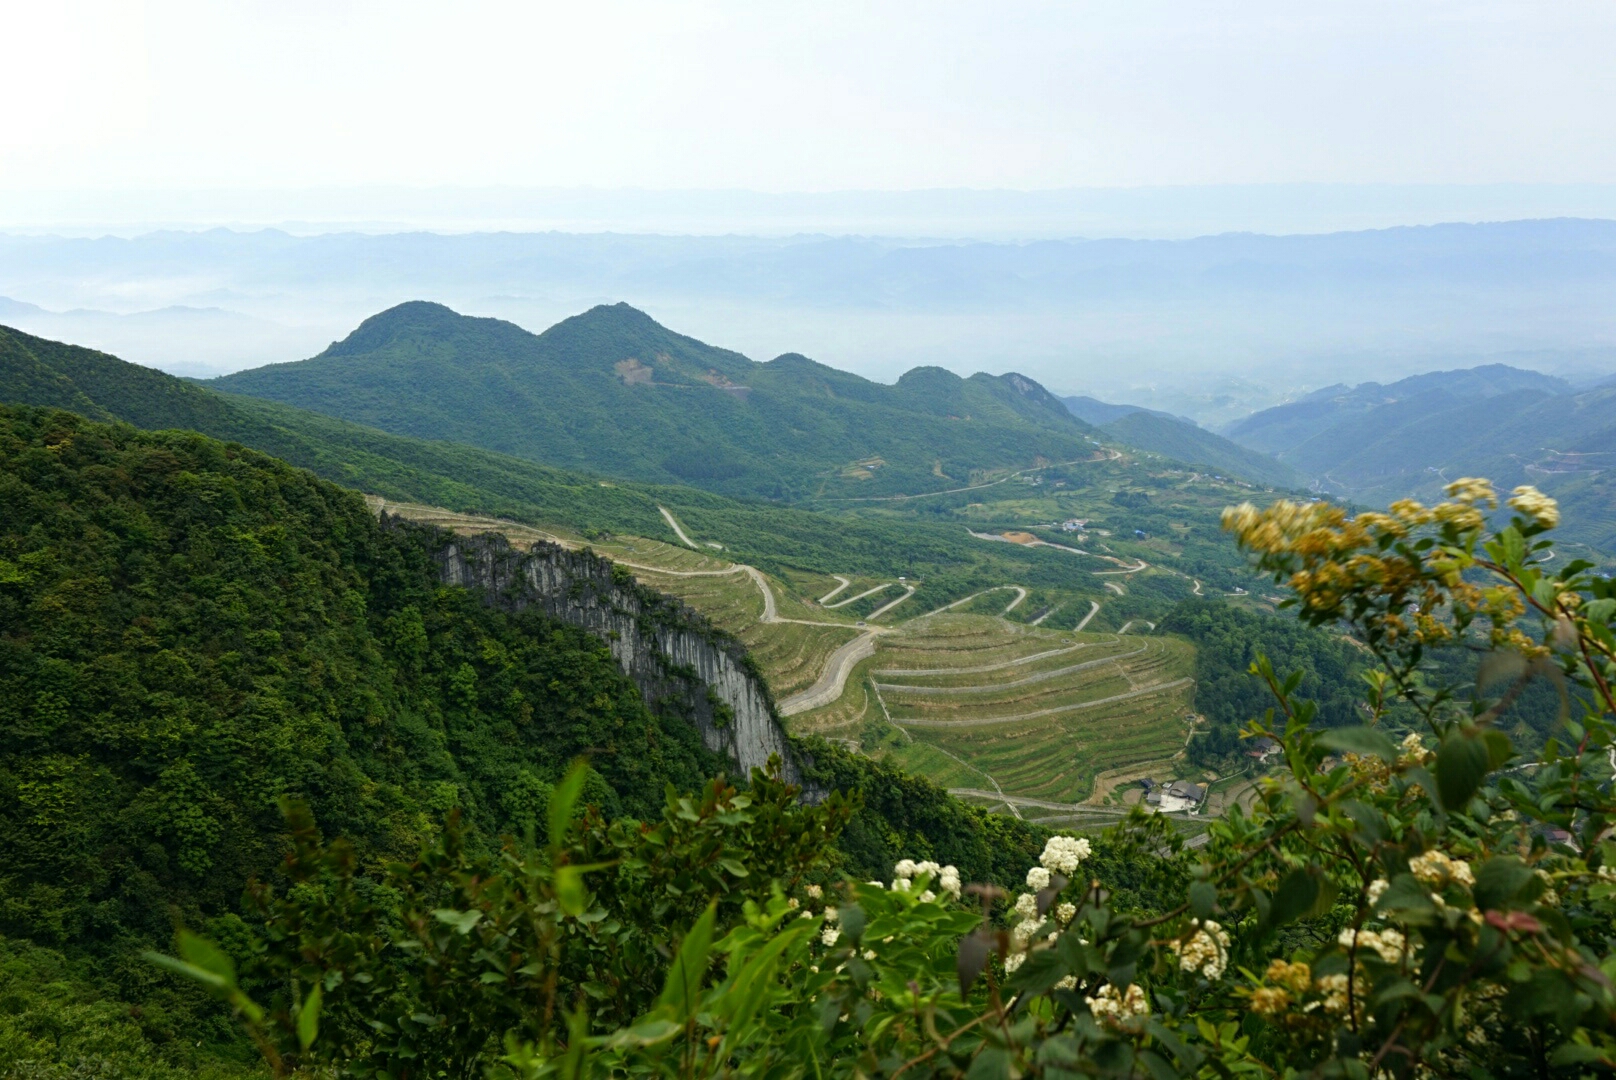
613, 392
193, 633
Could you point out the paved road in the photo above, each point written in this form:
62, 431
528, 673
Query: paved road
860, 596
833, 679
1094, 609
844, 584
883, 610
674, 522
1021, 594
966, 600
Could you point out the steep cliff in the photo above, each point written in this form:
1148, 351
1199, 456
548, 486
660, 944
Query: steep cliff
679, 660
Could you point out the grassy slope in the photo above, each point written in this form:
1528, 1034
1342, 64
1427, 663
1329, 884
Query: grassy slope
613, 392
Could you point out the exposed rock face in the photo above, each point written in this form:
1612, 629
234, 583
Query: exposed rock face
679, 660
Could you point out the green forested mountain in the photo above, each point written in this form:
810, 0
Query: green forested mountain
1375, 443
1183, 441
928, 542
613, 392
191, 632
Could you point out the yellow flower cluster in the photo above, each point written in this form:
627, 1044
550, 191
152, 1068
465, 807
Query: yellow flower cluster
1367, 568
1297, 977
1534, 504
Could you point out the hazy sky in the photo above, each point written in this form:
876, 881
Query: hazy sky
804, 96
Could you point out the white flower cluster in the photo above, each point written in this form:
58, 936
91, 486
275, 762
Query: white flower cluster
1062, 854
1435, 869
831, 933
1038, 878
1377, 889
1065, 914
1334, 989
1207, 950
814, 892
1536, 505
945, 878
1413, 751
1109, 1006
1388, 944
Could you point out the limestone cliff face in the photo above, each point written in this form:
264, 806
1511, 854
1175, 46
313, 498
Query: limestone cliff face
678, 659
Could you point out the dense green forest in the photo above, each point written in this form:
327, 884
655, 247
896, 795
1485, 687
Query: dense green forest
613, 392
192, 632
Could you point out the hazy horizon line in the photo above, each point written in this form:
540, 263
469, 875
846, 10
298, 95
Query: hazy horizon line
1185, 211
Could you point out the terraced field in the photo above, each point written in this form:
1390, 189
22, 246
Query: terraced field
977, 702
1027, 717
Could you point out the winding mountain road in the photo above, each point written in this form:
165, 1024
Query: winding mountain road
844, 584
677, 531
1094, 609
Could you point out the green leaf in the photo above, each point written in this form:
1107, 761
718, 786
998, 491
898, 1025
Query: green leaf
564, 800
682, 991
744, 995
852, 922
1203, 899
1359, 740
462, 921
570, 891
1499, 748
190, 971
209, 957
1370, 821
1499, 879
308, 1017
1297, 893
1461, 766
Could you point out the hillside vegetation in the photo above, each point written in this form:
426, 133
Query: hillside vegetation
1183, 441
192, 633
1376, 443
613, 392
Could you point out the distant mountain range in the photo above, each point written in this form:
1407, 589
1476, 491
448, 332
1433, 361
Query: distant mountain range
1183, 440
1211, 327
1375, 443
613, 392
